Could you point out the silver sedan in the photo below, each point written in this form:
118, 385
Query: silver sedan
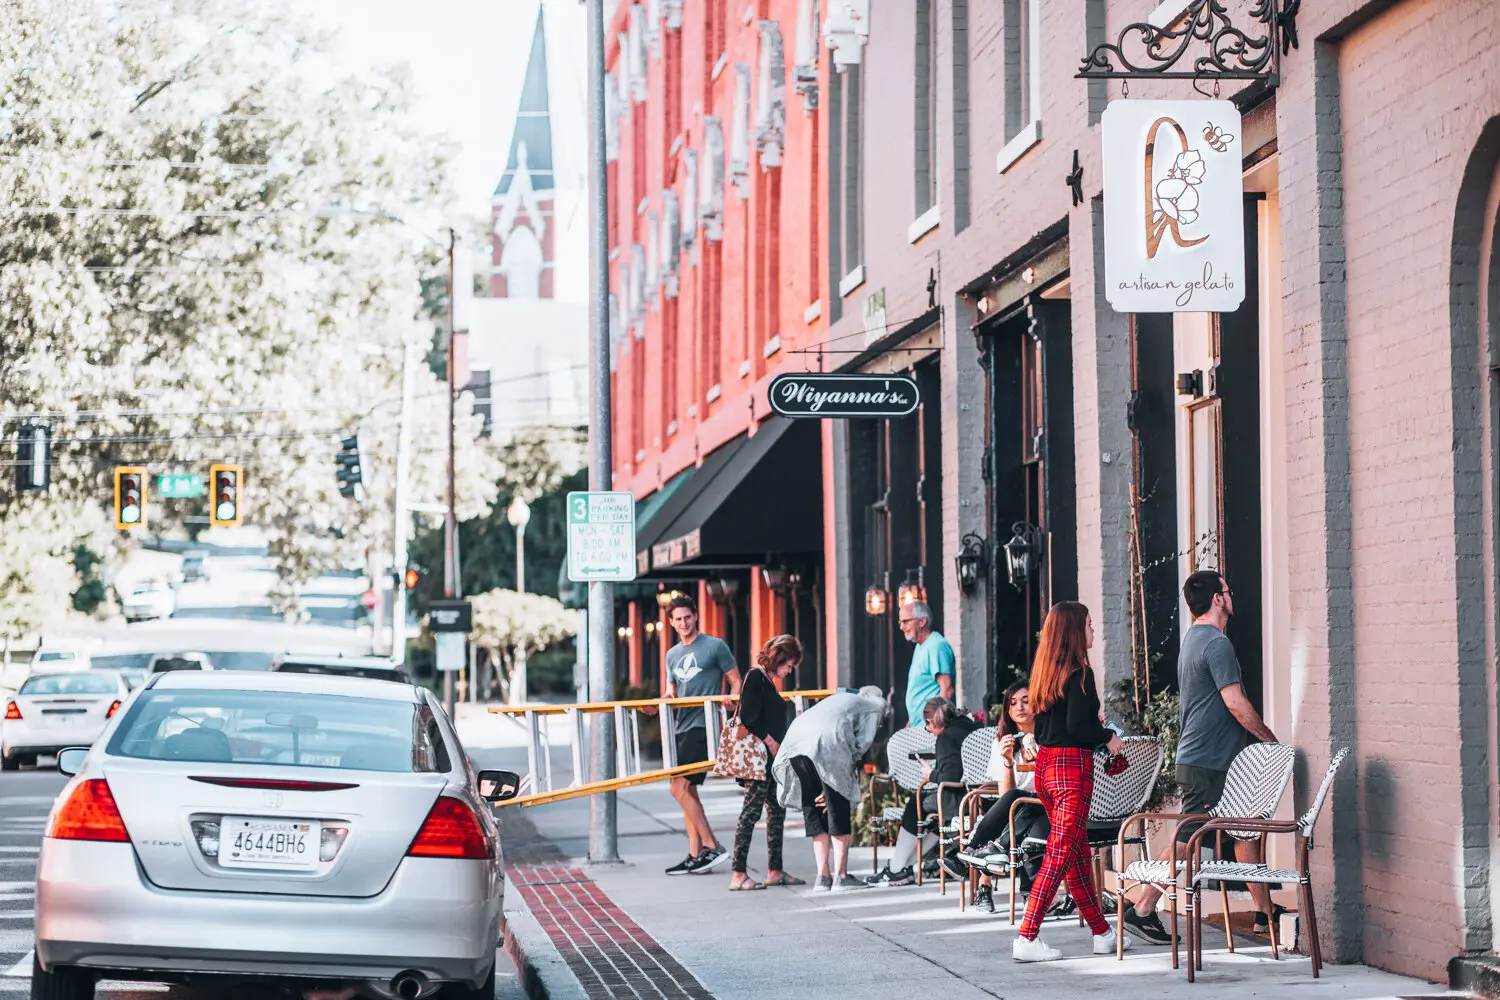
308, 831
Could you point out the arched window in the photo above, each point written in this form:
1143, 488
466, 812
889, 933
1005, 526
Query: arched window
521, 263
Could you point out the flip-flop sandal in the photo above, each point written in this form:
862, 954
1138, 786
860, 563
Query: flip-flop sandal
748, 885
786, 880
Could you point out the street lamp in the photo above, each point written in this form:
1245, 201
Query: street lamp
519, 516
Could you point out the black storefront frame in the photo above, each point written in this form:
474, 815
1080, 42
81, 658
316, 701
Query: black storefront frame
1029, 477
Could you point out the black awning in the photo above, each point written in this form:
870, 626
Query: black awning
757, 495
652, 513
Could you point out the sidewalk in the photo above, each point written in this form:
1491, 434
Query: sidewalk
630, 931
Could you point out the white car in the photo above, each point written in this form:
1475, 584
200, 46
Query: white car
52, 711
165, 663
60, 658
153, 599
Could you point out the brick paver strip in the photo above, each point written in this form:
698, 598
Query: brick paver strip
612, 956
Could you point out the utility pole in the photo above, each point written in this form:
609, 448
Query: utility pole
400, 515
604, 845
450, 524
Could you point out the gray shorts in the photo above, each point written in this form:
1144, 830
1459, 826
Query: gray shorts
1201, 789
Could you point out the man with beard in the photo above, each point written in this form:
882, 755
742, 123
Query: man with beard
1217, 722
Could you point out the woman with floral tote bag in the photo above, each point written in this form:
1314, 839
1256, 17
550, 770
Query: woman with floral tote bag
763, 715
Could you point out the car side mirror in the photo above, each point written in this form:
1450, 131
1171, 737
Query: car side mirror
498, 786
70, 761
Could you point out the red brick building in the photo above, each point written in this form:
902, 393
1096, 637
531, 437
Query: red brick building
715, 177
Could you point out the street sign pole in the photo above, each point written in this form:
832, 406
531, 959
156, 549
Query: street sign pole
604, 846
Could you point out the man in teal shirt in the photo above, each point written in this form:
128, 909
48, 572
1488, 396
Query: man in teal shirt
932, 662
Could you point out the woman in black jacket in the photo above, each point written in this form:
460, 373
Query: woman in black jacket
763, 712
1068, 730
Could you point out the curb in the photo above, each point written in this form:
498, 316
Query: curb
543, 973
1479, 974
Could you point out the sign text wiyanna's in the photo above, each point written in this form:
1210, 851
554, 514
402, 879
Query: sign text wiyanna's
834, 396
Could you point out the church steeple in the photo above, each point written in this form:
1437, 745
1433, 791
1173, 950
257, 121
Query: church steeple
533, 130
523, 241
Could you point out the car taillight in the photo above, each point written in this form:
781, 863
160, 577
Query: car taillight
89, 814
450, 831
12, 711
114, 707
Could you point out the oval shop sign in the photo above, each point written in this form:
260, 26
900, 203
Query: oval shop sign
833, 396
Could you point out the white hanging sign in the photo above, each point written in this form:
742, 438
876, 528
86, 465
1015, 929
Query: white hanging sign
1174, 224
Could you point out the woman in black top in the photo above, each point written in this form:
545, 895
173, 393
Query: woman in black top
763, 713
943, 719
1068, 730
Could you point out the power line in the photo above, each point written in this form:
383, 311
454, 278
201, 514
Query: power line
236, 214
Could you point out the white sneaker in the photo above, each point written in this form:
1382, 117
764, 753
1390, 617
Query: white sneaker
1034, 950
1104, 944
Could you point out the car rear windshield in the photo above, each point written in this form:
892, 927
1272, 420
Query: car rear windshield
282, 728
371, 673
69, 684
168, 664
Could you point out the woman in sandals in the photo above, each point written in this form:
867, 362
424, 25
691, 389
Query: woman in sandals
763, 714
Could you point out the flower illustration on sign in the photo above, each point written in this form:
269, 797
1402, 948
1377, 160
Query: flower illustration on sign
1172, 202
1177, 193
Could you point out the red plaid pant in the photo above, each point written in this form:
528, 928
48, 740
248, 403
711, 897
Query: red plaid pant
1065, 784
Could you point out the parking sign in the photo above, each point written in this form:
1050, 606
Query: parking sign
601, 537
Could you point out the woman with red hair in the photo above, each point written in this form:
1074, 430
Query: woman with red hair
1065, 702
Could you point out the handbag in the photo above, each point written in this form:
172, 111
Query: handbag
743, 758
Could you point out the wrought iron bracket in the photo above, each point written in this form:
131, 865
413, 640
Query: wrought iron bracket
1203, 43
1074, 180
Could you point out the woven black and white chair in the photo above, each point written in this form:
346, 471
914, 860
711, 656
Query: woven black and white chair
1223, 871
1258, 778
1116, 799
901, 773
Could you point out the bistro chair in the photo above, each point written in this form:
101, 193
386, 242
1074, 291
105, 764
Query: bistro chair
1249, 871
902, 774
1116, 799
1258, 778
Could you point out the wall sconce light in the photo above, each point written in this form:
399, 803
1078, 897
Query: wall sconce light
969, 563
1022, 552
722, 590
1190, 384
911, 591
715, 590
665, 597
794, 580
776, 578
877, 601
650, 628
622, 631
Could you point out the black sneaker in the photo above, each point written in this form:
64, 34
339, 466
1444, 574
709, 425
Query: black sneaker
956, 870
888, 879
1262, 925
1148, 928
984, 899
685, 866
984, 854
711, 857
1064, 907
930, 868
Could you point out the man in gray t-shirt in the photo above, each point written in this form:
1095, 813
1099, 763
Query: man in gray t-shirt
1217, 721
697, 667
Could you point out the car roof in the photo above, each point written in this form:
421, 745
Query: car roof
352, 662
255, 680
185, 652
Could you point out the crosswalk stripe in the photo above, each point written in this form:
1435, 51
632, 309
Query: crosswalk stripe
21, 968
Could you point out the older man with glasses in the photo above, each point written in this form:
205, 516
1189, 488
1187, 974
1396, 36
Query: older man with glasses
932, 662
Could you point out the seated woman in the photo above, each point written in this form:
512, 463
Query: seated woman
943, 719
1012, 769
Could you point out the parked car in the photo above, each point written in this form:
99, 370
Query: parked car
194, 565
164, 663
60, 658
369, 667
152, 599
323, 832
51, 711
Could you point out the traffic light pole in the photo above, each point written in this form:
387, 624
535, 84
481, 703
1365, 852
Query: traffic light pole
604, 846
450, 524
401, 517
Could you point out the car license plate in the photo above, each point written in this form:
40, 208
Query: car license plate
319, 759
247, 842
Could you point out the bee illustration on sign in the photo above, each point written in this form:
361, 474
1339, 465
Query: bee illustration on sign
1172, 201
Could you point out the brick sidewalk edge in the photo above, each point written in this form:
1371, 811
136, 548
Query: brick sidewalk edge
543, 973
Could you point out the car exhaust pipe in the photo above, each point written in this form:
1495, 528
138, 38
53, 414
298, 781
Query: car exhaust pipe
409, 985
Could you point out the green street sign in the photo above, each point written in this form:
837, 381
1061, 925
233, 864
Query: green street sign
179, 486
601, 536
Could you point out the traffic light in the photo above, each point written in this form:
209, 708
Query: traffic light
33, 458
224, 480
350, 479
413, 577
130, 497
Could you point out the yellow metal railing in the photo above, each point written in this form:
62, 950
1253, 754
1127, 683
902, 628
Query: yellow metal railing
626, 718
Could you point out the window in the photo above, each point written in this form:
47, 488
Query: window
1023, 81
806, 55
925, 124
521, 262
711, 180
844, 183
739, 132
770, 96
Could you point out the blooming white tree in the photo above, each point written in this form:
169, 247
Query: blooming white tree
199, 233
511, 626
